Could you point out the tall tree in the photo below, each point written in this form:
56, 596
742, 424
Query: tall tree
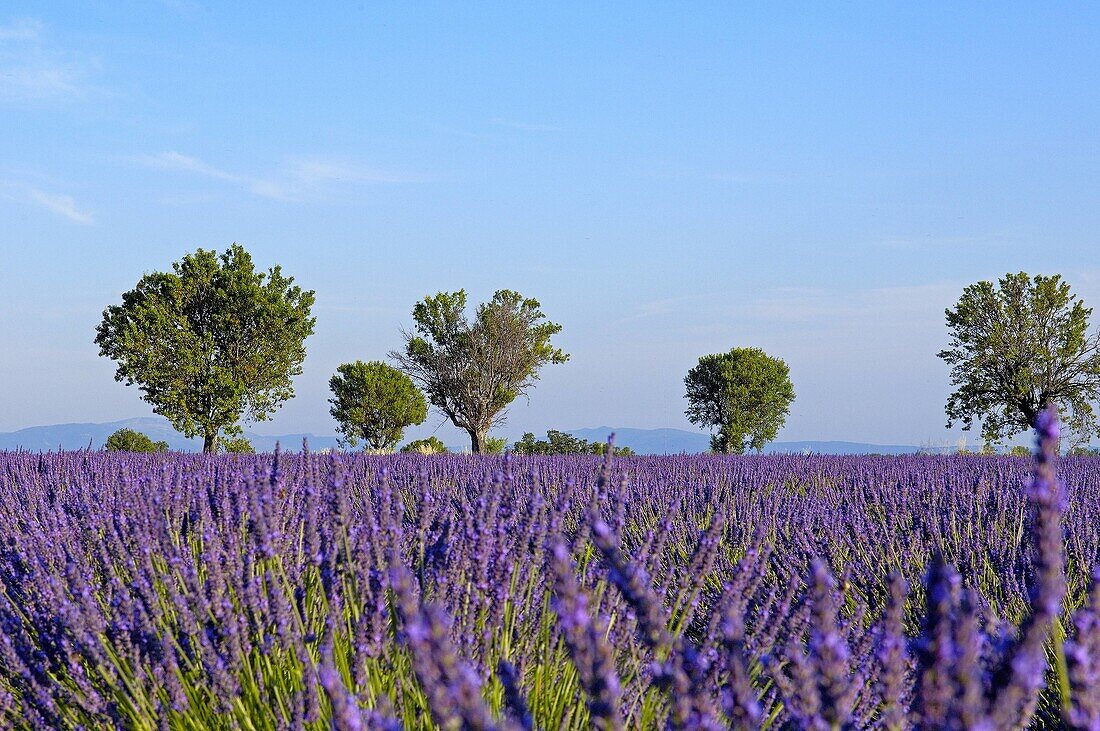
745, 394
375, 402
472, 370
1018, 347
211, 342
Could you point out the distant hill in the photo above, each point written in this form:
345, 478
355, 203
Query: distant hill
677, 441
642, 441
81, 436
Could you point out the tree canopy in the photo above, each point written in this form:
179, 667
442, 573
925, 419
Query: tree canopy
130, 440
745, 394
472, 369
236, 445
374, 402
1018, 347
558, 442
210, 343
431, 445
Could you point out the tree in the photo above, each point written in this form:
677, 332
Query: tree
1017, 348
128, 440
558, 442
375, 402
1082, 451
495, 445
210, 343
472, 370
236, 445
745, 394
600, 448
431, 445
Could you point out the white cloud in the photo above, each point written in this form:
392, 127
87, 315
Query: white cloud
525, 126
62, 205
294, 179
185, 163
33, 68
57, 203
21, 29
39, 83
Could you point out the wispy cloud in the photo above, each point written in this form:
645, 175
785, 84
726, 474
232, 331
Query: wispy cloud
185, 163
34, 68
21, 29
817, 307
294, 179
62, 205
57, 203
525, 126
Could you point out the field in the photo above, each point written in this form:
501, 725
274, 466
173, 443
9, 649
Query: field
354, 591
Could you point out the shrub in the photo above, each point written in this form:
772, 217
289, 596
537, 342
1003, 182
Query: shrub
129, 440
236, 445
431, 445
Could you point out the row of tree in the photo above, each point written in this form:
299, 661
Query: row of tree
214, 343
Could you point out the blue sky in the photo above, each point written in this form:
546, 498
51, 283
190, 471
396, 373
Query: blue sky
668, 179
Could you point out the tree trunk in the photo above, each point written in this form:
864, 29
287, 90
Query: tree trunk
478, 440
210, 443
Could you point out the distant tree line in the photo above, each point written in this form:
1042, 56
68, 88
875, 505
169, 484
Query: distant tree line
558, 442
214, 343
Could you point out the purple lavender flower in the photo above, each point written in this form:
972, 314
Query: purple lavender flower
1083, 664
513, 695
586, 641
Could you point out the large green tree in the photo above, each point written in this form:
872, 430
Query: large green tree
210, 343
375, 402
1017, 347
472, 369
745, 394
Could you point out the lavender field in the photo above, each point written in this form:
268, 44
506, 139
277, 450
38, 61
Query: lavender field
351, 591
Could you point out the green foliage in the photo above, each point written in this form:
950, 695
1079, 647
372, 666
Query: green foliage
745, 394
1020, 451
236, 445
210, 343
1018, 347
472, 369
128, 440
598, 448
1082, 451
431, 445
557, 442
495, 445
375, 402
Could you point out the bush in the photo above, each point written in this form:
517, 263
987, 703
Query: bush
236, 445
128, 440
558, 442
431, 445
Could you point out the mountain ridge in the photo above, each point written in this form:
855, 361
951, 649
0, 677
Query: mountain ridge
667, 440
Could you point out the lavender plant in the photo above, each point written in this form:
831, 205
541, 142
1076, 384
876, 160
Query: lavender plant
412, 591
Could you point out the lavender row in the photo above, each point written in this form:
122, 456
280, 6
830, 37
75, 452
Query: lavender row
353, 591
